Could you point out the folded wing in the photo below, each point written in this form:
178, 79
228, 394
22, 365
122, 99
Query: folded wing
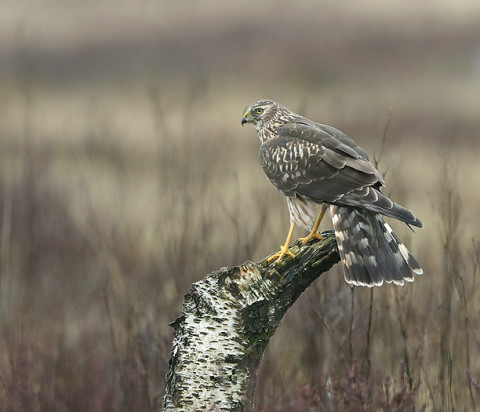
325, 166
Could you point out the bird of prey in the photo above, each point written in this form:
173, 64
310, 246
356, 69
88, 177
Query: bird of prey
318, 167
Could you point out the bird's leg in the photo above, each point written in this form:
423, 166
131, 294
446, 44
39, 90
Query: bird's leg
284, 249
314, 233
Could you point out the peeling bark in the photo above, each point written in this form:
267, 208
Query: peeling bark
226, 322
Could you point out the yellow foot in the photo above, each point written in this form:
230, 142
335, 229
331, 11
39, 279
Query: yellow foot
311, 236
283, 251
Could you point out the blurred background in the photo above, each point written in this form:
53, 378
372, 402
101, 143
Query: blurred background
125, 176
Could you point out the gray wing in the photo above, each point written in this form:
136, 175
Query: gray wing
303, 159
342, 137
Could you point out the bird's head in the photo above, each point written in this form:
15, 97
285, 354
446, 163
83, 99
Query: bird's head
260, 112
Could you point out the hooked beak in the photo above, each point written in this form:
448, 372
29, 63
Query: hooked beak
244, 118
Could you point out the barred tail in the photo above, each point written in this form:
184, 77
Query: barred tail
369, 249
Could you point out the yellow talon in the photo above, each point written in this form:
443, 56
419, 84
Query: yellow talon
311, 236
283, 251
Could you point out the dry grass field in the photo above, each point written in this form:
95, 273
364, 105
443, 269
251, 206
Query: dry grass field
125, 176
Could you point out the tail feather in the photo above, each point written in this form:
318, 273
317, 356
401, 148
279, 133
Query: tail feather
374, 200
370, 251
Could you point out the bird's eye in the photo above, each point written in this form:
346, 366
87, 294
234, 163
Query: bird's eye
259, 110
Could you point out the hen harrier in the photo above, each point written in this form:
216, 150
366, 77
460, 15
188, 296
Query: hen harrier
316, 166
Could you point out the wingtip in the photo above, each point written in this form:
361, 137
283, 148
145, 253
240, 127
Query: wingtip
417, 222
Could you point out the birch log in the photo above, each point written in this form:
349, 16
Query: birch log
226, 322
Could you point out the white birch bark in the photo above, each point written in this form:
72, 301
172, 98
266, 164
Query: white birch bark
226, 322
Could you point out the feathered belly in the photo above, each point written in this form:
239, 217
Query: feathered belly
303, 212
